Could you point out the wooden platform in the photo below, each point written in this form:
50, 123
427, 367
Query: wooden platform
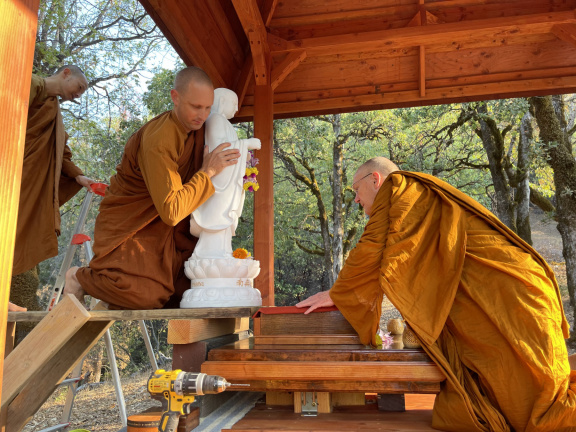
324, 368
416, 418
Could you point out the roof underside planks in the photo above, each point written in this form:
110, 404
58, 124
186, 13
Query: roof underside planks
341, 56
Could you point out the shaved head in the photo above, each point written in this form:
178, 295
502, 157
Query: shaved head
369, 178
380, 165
191, 74
74, 70
69, 82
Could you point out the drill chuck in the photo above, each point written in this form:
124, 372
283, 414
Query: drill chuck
193, 384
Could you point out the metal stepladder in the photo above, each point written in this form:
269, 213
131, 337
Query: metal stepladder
80, 239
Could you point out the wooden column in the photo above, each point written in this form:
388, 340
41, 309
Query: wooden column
18, 22
264, 198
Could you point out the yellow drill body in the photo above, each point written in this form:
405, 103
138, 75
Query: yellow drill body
176, 390
161, 387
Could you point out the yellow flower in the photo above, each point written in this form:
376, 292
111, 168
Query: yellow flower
241, 253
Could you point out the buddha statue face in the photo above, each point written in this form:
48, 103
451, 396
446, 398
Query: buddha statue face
225, 102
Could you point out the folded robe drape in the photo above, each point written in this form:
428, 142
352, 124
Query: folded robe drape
48, 180
484, 304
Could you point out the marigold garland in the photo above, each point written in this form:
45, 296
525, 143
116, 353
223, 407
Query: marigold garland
250, 182
241, 253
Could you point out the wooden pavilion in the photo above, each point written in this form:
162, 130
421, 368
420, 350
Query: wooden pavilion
287, 58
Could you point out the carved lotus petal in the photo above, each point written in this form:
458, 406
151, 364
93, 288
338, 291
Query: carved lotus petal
204, 263
199, 273
188, 270
242, 272
226, 269
212, 271
254, 270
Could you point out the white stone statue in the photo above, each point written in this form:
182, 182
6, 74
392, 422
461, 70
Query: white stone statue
218, 279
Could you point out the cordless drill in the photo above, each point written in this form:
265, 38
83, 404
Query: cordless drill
176, 390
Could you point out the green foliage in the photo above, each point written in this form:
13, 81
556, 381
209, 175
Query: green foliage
157, 99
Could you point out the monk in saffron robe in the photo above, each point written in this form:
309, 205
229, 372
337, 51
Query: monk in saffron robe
141, 237
484, 304
49, 177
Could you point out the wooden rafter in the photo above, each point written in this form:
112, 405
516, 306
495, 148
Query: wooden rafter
283, 69
445, 33
500, 89
251, 20
172, 17
267, 9
246, 75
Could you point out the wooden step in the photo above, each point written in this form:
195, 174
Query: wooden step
324, 368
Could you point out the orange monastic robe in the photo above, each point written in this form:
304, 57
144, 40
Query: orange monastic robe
484, 304
48, 180
141, 237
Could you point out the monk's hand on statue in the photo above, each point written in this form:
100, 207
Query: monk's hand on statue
219, 158
321, 299
84, 181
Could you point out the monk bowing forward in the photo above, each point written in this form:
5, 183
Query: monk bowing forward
484, 304
141, 237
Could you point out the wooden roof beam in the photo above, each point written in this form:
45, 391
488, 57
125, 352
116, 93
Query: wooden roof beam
171, 19
457, 92
246, 74
428, 35
253, 25
267, 10
565, 32
283, 69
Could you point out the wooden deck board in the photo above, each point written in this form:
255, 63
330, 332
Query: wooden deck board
129, 315
416, 418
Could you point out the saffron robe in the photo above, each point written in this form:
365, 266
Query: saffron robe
141, 236
485, 306
48, 180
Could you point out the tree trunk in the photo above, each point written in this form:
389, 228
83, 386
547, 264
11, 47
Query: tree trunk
523, 183
337, 201
561, 160
493, 143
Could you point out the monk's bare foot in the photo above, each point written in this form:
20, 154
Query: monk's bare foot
15, 308
72, 285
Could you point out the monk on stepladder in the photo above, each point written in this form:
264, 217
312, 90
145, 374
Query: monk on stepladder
484, 304
49, 179
142, 234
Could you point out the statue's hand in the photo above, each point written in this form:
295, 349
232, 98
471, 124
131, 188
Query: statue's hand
254, 144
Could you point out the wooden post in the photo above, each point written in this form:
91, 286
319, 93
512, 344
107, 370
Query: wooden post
18, 22
264, 198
